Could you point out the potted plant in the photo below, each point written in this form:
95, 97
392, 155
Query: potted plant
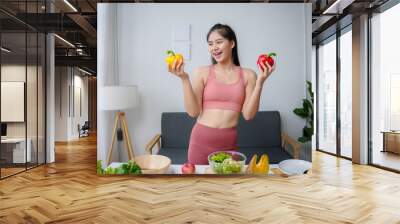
307, 112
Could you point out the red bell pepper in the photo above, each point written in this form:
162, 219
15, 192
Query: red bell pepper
262, 59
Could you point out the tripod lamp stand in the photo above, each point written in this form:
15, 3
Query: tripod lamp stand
117, 98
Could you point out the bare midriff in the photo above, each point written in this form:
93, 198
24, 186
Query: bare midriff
217, 118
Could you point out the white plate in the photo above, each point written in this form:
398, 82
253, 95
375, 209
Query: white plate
294, 166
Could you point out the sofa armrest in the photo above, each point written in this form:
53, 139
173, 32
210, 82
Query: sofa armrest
296, 146
155, 140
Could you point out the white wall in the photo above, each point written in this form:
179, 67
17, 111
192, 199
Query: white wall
50, 96
61, 103
17, 73
81, 81
32, 127
66, 120
79, 117
141, 43
106, 55
12, 73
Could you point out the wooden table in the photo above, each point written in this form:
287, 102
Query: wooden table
391, 141
201, 169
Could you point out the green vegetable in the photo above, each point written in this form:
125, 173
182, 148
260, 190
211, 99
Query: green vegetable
120, 170
133, 168
107, 170
220, 157
110, 170
126, 168
100, 170
218, 168
231, 166
225, 164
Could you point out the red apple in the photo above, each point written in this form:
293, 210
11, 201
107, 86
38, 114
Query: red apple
188, 168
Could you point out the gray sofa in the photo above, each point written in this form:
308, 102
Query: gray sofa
261, 135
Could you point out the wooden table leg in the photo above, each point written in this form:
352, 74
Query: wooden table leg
127, 138
110, 149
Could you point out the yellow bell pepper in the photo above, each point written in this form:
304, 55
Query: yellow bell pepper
260, 167
172, 57
252, 164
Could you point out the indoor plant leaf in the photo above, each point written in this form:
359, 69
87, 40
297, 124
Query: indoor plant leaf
307, 113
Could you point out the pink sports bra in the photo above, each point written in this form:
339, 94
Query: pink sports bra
218, 95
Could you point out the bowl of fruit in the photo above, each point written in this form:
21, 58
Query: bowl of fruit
227, 162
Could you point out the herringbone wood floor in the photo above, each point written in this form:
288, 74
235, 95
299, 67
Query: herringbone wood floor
69, 191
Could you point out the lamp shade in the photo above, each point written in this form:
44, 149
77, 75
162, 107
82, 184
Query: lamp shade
118, 97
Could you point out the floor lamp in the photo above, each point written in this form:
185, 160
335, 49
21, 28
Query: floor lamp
117, 98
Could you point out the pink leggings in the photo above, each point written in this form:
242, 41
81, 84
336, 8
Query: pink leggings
205, 140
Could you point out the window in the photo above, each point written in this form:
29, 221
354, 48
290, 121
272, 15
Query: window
385, 88
394, 102
346, 93
22, 66
327, 96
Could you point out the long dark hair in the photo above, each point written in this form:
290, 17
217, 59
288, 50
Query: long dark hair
227, 32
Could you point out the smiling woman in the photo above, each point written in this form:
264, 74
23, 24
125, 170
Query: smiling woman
215, 99
223, 41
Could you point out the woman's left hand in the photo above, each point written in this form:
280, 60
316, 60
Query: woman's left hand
265, 72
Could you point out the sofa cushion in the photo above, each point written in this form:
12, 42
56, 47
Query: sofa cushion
176, 129
177, 155
275, 154
262, 131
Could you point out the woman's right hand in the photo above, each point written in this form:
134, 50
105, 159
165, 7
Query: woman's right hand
177, 68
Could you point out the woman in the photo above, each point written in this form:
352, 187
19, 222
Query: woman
218, 94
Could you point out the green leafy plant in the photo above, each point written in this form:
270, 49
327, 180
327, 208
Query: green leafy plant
100, 170
307, 112
132, 168
126, 168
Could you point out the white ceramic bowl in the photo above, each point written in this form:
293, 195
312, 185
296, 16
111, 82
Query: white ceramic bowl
294, 166
153, 164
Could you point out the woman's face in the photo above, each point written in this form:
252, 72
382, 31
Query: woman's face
219, 47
